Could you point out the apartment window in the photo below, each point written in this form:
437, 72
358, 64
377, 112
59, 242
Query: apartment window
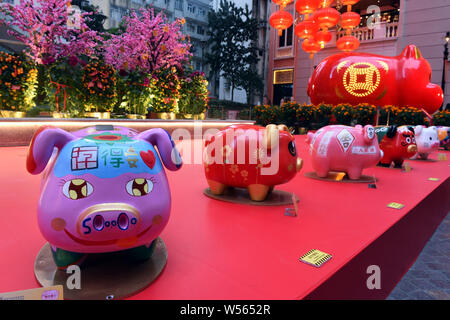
200, 30
117, 14
179, 5
191, 27
285, 40
201, 12
191, 8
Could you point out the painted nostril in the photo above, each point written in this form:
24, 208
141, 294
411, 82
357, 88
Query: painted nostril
58, 224
157, 220
122, 221
98, 223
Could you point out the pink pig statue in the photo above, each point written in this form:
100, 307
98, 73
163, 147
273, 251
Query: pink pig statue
105, 190
427, 140
344, 149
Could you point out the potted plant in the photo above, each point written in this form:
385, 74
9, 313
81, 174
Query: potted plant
305, 116
266, 114
411, 116
288, 114
17, 85
442, 118
193, 95
64, 89
323, 114
99, 89
343, 114
364, 114
137, 93
165, 86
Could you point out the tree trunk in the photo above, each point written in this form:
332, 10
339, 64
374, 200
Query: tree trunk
232, 91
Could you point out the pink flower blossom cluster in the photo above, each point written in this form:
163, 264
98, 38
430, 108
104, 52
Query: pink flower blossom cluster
149, 43
46, 29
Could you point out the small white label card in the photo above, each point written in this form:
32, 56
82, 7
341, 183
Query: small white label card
47, 293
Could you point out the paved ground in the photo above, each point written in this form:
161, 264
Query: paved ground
429, 277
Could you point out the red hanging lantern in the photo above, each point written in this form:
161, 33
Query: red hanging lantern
350, 20
306, 29
347, 43
325, 3
281, 20
322, 37
326, 18
306, 6
282, 3
310, 46
349, 4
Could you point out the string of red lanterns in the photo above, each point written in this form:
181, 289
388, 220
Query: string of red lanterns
349, 20
318, 18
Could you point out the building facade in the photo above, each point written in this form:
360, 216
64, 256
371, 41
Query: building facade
401, 22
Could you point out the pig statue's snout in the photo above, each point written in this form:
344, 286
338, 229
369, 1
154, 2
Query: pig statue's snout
111, 219
299, 164
412, 148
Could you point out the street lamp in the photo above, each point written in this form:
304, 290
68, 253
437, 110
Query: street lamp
447, 39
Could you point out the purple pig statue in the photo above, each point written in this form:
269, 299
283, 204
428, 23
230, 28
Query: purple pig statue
103, 190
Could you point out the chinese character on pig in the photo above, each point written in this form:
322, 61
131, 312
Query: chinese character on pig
356, 78
344, 149
252, 157
105, 190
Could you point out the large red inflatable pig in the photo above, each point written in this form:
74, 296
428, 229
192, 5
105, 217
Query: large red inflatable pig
367, 78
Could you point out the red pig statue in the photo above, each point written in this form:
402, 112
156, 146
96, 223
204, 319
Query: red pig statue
397, 144
252, 157
356, 78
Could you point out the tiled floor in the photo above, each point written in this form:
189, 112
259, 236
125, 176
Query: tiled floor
429, 277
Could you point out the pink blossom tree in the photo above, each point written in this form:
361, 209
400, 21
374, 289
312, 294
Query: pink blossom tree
50, 29
149, 44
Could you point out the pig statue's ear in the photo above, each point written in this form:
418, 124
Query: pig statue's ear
42, 145
166, 147
271, 137
283, 127
417, 130
411, 51
369, 133
392, 131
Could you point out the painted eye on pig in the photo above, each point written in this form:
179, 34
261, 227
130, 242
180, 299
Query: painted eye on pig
139, 187
292, 149
408, 140
77, 189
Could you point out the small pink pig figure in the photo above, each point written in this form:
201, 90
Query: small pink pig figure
427, 140
344, 149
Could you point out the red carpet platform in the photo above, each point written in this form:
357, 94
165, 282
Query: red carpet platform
219, 250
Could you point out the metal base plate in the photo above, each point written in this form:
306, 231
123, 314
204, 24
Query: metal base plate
103, 276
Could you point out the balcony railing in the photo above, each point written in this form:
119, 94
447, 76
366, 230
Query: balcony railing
386, 31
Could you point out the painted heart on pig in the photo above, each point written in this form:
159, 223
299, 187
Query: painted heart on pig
148, 158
